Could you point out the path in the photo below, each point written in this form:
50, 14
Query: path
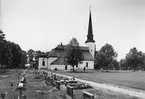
127, 91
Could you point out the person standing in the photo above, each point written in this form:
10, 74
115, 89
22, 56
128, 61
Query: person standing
84, 69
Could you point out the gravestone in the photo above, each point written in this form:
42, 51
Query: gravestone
70, 91
51, 81
58, 85
54, 77
87, 95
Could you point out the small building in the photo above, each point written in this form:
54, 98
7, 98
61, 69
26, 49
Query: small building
42, 62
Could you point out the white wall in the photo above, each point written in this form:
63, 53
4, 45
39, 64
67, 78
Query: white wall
59, 67
40, 61
92, 48
90, 65
62, 67
80, 66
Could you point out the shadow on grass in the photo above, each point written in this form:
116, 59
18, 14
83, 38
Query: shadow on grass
4, 71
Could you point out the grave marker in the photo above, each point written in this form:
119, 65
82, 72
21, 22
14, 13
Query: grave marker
58, 85
87, 95
70, 91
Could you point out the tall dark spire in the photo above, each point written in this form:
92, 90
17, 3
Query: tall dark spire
90, 31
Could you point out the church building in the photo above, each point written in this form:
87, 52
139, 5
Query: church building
56, 59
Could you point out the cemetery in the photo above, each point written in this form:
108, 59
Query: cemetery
44, 85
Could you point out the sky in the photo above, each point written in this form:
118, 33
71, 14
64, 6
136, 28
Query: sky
43, 24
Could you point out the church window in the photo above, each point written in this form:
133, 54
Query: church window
87, 64
43, 63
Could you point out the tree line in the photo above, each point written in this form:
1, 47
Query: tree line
11, 54
106, 59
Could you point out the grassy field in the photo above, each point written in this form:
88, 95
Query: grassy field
123, 78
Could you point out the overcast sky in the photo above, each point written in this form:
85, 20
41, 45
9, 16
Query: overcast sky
43, 24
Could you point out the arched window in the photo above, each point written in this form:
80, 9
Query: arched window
43, 62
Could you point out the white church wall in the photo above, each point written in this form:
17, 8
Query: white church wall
41, 64
80, 66
92, 48
84, 64
58, 67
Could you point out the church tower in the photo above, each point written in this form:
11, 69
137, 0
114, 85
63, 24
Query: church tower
90, 41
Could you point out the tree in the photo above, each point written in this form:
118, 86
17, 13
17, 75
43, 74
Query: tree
2, 44
2, 36
30, 53
8, 56
98, 60
74, 42
135, 59
74, 54
105, 57
123, 64
10, 53
116, 65
22, 58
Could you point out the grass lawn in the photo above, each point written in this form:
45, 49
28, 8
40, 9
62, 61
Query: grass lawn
123, 78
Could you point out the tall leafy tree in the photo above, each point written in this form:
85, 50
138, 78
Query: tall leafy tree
8, 55
30, 53
74, 54
2, 44
135, 59
23, 58
105, 57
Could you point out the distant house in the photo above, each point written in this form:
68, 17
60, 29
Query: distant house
42, 62
56, 58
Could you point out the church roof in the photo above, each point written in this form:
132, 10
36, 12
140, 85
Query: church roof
62, 47
59, 61
61, 53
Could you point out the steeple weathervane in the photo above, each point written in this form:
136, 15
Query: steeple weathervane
90, 31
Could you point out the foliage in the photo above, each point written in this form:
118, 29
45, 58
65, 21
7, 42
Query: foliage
2, 43
123, 64
105, 57
33, 57
30, 53
74, 54
135, 59
11, 55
